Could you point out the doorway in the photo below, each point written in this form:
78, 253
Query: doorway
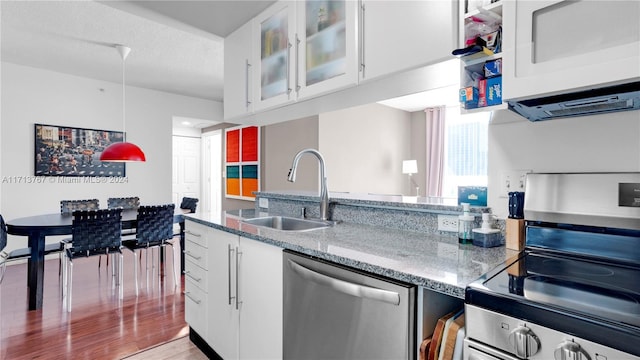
186, 168
212, 171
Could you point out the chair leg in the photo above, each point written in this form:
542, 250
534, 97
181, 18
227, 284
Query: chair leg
135, 270
69, 285
120, 275
63, 274
173, 269
3, 266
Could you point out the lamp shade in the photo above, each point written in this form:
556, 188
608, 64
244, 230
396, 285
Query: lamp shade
410, 166
122, 152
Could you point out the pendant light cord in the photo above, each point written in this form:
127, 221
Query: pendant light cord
123, 101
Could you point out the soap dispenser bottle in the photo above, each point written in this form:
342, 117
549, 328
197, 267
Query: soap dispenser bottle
486, 235
465, 225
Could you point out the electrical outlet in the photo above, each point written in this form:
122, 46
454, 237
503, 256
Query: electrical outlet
448, 223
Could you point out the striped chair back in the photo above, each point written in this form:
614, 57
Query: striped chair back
69, 206
124, 202
189, 203
95, 232
3, 233
155, 224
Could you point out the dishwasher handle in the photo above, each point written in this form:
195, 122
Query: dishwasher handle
346, 287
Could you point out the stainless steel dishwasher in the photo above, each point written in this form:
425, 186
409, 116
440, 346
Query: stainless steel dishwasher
334, 312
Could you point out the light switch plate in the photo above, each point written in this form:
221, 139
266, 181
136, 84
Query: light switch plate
512, 180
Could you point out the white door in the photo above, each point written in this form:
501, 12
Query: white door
212, 170
186, 168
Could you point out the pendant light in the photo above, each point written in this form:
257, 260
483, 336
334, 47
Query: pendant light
122, 151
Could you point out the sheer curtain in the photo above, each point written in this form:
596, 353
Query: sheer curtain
435, 125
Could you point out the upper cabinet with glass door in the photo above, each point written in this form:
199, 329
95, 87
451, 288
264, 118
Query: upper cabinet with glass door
326, 44
275, 32
306, 48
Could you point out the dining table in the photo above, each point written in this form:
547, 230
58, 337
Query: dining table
38, 227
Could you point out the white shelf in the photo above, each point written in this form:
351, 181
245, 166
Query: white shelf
483, 109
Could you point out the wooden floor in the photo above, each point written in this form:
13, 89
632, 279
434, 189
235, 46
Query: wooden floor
100, 326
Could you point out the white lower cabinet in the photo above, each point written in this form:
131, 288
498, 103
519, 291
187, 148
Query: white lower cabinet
196, 273
243, 305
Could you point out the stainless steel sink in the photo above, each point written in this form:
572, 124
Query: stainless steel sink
287, 223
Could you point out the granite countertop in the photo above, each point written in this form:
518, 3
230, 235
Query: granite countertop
436, 262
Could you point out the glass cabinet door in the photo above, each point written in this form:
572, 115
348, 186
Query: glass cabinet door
274, 57
325, 40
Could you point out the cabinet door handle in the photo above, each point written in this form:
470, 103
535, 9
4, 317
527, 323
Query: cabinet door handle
192, 233
288, 68
188, 253
246, 83
362, 40
297, 54
188, 294
346, 287
229, 272
188, 274
238, 253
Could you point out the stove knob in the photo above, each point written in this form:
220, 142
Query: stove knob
569, 350
524, 342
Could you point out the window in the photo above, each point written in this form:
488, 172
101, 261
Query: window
465, 150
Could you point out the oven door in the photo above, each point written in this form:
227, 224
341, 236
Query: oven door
476, 351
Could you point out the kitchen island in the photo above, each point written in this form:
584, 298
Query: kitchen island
234, 267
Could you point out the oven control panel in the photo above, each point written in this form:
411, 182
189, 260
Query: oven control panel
514, 338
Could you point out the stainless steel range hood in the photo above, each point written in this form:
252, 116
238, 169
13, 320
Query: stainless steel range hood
581, 103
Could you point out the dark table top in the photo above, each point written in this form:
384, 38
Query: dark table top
60, 224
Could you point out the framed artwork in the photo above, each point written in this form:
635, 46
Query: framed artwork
70, 151
242, 162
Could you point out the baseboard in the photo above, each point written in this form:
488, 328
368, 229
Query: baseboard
198, 341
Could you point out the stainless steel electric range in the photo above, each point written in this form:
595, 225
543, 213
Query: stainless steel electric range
574, 292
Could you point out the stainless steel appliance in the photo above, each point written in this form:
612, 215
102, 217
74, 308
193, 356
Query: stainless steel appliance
574, 292
333, 312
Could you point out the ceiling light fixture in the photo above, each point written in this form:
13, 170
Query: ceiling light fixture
122, 151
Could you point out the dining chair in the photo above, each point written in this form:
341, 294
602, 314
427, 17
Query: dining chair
126, 203
22, 253
67, 207
154, 228
93, 232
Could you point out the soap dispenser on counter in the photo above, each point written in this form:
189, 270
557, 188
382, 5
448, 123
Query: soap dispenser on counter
486, 235
465, 225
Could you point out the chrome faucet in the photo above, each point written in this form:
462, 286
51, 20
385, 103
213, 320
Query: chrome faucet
324, 194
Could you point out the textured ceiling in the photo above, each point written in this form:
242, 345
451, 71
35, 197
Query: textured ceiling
174, 48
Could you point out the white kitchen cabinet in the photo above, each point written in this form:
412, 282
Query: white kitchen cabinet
260, 294
326, 56
223, 316
196, 271
557, 46
303, 49
399, 35
274, 72
238, 59
245, 297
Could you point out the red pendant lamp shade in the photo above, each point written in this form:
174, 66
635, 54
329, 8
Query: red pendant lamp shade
122, 151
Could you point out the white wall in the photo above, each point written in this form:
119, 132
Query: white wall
280, 143
364, 147
605, 143
32, 95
